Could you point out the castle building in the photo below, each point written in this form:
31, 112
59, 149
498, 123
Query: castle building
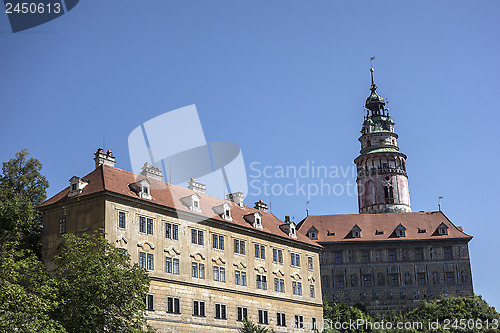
212, 262
387, 258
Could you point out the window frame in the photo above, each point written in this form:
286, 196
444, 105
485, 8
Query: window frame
222, 311
171, 231
260, 251
62, 226
150, 302
239, 249
241, 313
173, 305
263, 317
197, 308
281, 319
122, 223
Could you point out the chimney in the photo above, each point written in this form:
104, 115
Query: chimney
260, 205
236, 197
287, 219
195, 186
102, 158
151, 172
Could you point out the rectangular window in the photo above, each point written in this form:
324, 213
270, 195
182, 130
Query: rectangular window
121, 220
240, 278
366, 256
168, 265
299, 321
263, 317
310, 263
448, 253
280, 319
150, 302
261, 282
279, 285
150, 226
197, 237
340, 281
150, 263
450, 278
219, 274
260, 251
62, 226
421, 278
220, 311
313, 294
172, 231
142, 260
392, 255
278, 256
173, 305
394, 280
239, 246
297, 288
367, 281
194, 270
199, 308
338, 258
295, 259
142, 224
314, 324
242, 313
419, 254
218, 242
175, 268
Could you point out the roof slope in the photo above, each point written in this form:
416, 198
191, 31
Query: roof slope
111, 179
337, 228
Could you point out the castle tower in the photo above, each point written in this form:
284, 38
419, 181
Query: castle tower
382, 180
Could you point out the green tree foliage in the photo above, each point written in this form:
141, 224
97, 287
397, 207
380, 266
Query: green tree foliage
95, 288
28, 296
250, 327
22, 189
454, 314
341, 313
100, 290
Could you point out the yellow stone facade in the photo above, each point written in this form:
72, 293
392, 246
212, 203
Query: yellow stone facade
102, 211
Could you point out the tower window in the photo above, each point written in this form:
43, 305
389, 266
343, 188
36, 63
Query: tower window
389, 194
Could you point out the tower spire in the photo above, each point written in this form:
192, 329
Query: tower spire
382, 180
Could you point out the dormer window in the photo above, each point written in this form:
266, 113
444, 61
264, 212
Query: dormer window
224, 211
312, 233
143, 188
76, 186
442, 229
192, 202
400, 231
356, 231
258, 222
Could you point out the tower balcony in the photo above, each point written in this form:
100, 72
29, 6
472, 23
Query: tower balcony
380, 171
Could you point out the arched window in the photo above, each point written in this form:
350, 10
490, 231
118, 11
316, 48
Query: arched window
389, 194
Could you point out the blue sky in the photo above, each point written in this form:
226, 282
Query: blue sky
285, 80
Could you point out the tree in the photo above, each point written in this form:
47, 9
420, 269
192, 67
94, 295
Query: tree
342, 313
249, 327
100, 290
28, 296
22, 189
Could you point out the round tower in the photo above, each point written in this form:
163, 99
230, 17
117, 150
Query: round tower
382, 180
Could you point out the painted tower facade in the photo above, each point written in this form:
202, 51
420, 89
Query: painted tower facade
382, 179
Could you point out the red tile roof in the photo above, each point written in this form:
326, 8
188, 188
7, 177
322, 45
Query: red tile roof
111, 179
337, 228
